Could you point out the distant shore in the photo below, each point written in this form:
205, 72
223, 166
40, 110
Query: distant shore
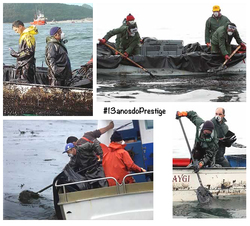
85, 20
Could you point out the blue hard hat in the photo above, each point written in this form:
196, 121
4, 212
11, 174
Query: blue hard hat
68, 147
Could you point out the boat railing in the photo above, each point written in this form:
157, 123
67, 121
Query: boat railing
120, 188
133, 174
85, 181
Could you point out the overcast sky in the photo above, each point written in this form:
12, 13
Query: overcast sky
180, 19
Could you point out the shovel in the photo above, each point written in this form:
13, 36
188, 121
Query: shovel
26, 196
223, 66
204, 196
138, 65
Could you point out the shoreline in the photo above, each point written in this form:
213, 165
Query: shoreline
85, 20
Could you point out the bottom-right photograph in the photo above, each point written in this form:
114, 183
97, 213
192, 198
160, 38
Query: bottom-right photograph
209, 162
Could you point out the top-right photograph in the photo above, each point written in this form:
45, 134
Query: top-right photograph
169, 52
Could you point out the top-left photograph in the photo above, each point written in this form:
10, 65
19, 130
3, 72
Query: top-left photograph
47, 59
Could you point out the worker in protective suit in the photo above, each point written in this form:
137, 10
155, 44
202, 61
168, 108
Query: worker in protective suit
25, 66
225, 136
222, 37
213, 23
86, 158
129, 20
206, 141
56, 57
129, 39
117, 162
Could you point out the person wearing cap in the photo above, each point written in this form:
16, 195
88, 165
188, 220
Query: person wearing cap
213, 23
25, 66
225, 136
117, 162
91, 137
206, 141
56, 57
128, 20
85, 156
128, 39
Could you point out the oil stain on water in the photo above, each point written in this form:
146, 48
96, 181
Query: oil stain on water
38, 209
226, 207
218, 88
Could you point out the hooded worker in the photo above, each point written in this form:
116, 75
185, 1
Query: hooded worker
213, 23
206, 141
128, 37
117, 162
56, 57
222, 37
25, 66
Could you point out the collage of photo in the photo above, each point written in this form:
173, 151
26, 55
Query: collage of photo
106, 102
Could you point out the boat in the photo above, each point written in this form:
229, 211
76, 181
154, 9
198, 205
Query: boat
38, 99
220, 181
39, 19
120, 202
43, 99
166, 58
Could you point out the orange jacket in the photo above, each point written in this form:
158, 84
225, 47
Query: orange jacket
117, 162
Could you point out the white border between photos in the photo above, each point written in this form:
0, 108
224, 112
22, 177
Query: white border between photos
162, 132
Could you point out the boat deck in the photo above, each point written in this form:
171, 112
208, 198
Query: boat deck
123, 201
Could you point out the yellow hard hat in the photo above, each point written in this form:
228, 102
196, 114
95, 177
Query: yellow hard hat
216, 8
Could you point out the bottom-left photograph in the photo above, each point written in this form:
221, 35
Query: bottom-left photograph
78, 169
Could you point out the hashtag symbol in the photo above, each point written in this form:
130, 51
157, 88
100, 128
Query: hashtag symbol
105, 110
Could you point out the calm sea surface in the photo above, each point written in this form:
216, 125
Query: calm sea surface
79, 46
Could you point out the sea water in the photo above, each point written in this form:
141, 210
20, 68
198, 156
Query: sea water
79, 45
32, 158
227, 207
185, 21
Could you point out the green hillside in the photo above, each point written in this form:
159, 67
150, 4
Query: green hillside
26, 11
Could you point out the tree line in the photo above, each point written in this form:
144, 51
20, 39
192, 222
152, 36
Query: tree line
52, 11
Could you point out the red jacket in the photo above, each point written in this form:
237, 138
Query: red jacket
117, 162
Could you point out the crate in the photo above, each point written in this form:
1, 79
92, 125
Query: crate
152, 47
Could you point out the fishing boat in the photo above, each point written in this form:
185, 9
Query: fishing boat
165, 58
122, 201
43, 99
221, 182
39, 19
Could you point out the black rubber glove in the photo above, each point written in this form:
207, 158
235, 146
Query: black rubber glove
13, 53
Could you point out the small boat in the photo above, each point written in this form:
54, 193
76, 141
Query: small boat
43, 99
223, 181
166, 58
39, 99
39, 19
120, 202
